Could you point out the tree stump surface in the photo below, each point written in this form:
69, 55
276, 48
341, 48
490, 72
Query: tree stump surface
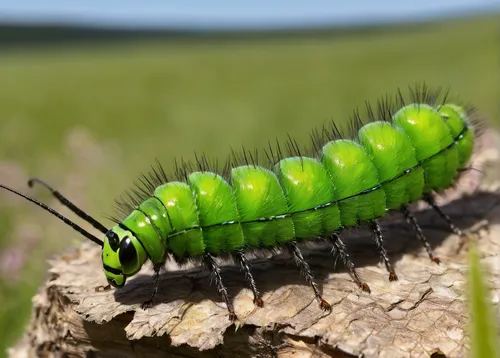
421, 315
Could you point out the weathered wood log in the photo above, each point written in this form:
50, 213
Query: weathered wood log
422, 314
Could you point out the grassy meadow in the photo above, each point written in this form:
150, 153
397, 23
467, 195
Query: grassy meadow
90, 118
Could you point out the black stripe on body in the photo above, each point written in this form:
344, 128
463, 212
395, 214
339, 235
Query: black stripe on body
113, 270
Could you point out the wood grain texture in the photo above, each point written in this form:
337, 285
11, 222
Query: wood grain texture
423, 313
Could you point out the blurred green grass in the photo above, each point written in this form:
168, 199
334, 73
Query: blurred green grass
146, 100
483, 323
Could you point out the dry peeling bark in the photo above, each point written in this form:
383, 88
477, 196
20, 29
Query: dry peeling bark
423, 314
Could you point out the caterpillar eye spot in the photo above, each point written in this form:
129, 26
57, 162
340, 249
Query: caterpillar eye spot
128, 255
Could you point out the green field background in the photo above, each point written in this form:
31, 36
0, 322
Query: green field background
90, 118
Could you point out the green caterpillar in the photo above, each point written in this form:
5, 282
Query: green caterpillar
404, 154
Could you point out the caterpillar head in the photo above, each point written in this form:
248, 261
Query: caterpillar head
122, 255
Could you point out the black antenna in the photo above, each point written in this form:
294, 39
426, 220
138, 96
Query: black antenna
82, 214
58, 215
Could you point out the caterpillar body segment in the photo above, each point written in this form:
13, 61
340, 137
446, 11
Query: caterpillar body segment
307, 184
404, 156
430, 135
357, 184
262, 207
215, 201
392, 153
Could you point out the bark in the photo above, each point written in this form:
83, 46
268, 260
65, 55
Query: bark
424, 313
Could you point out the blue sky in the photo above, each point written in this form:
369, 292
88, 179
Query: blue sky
229, 14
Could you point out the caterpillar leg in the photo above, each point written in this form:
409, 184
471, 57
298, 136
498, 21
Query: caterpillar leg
463, 236
240, 258
339, 246
307, 273
413, 220
430, 200
380, 244
156, 277
214, 269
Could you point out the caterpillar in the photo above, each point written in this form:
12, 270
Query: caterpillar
402, 153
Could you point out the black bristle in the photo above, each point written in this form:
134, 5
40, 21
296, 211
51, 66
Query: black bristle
198, 162
369, 112
233, 158
278, 148
143, 189
161, 172
253, 161
245, 157
414, 94
445, 96
268, 152
355, 124
336, 133
113, 218
385, 109
226, 171
289, 146
400, 99
316, 140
